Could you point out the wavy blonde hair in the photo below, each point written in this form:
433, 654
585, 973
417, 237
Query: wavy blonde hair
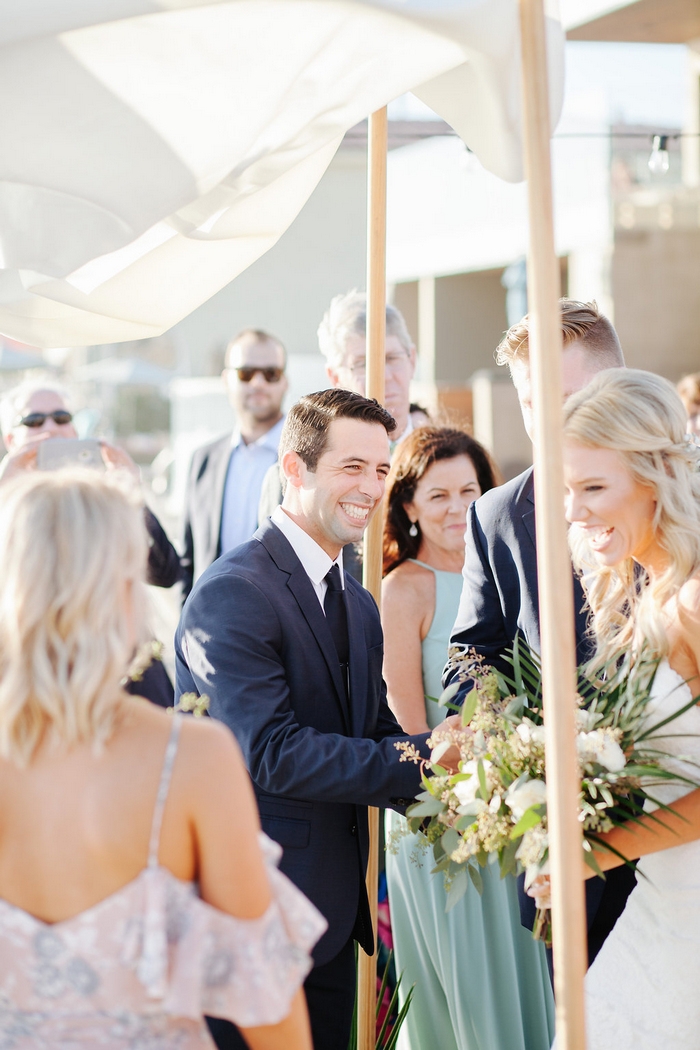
641, 416
69, 542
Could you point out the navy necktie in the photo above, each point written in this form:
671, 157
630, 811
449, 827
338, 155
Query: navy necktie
337, 616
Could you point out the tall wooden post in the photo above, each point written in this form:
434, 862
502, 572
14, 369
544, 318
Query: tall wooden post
554, 565
377, 141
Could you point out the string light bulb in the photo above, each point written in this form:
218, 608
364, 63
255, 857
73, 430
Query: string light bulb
658, 160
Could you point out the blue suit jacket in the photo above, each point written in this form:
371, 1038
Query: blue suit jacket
254, 638
499, 600
499, 595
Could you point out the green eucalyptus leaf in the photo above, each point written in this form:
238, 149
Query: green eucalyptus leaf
447, 695
457, 889
481, 773
530, 819
507, 861
475, 876
430, 808
450, 841
471, 702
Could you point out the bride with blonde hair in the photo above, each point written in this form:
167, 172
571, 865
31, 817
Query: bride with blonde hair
137, 892
633, 503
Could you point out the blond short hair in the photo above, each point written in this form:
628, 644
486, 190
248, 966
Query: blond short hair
582, 322
347, 316
68, 541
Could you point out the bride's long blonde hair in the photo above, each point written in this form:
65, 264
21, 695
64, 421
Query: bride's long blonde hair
641, 416
71, 543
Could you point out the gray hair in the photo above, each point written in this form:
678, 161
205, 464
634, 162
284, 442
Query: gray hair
16, 398
347, 316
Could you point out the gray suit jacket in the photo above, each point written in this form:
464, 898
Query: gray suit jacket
204, 500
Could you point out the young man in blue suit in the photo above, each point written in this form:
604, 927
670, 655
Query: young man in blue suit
499, 594
289, 650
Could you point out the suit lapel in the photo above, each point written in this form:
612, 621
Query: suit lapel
301, 587
221, 458
358, 664
529, 512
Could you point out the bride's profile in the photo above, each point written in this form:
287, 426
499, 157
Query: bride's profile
633, 504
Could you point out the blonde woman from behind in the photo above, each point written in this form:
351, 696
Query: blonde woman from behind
136, 891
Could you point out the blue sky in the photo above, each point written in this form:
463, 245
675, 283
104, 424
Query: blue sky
620, 83
636, 83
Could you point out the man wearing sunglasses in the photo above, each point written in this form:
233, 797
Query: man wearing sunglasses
226, 476
38, 411
43, 413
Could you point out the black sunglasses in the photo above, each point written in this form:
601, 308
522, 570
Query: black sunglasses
271, 375
60, 416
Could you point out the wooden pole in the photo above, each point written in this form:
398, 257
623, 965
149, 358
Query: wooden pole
554, 565
377, 140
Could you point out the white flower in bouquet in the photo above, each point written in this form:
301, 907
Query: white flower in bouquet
521, 798
532, 848
466, 790
529, 733
600, 747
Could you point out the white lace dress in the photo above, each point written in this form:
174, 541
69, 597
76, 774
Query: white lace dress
643, 990
140, 969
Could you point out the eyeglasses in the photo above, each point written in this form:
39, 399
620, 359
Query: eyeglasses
60, 416
392, 363
270, 375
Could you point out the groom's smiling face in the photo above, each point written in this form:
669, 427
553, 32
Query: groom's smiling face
338, 499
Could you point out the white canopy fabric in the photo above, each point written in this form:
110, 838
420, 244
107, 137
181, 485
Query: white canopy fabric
151, 150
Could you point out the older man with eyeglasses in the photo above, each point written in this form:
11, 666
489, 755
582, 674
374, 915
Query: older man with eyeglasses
226, 476
342, 341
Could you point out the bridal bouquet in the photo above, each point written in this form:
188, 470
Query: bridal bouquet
497, 802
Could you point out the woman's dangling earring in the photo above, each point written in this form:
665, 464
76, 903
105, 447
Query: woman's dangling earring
413, 531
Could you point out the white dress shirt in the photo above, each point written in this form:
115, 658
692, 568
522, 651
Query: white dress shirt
247, 467
409, 430
315, 561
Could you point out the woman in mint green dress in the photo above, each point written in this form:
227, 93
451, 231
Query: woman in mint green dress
481, 981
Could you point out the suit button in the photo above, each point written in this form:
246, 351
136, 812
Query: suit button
353, 829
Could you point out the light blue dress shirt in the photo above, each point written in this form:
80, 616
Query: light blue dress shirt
246, 469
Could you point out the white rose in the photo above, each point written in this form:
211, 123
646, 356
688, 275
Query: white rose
529, 732
537, 734
602, 748
523, 731
466, 790
523, 797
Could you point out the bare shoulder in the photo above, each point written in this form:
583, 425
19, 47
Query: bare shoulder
408, 583
207, 749
689, 601
208, 746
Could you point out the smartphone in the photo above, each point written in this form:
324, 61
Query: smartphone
55, 453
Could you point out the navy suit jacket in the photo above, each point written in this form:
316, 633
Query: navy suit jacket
254, 638
499, 600
499, 595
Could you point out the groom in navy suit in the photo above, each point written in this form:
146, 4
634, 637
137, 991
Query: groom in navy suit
499, 594
289, 650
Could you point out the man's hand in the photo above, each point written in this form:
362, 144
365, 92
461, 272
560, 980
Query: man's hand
23, 461
117, 459
541, 889
450, 759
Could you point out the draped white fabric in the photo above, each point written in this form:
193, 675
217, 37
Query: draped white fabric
151, 150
